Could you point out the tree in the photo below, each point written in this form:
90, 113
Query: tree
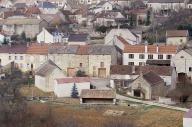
101, 29
148, 21
74, 92
80, 73
23, 36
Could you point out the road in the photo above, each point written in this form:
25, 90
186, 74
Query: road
120, 97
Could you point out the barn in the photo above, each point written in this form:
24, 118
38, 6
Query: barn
97, 96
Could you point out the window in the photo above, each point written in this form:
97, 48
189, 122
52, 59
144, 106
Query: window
181, 40
21, 57
190, 69
160, 57
131, 63
150, 56
80, 65
102, 64
141, 63
9, 57
15, 57
131, 56
141, 56
169, 57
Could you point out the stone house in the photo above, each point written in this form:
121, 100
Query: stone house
148, 86
182, 62
94, 96
64, 87
31, 26
165, 6
46, 74
177, 37
123, 75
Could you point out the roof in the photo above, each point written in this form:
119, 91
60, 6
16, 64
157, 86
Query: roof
18, 49
189, 51
36, 48
166, 1
153, 78
32, 10
93, 93
21, 21
83, 50
46, 69
121, 39
72, 80
140, 48
78, 37
128, 70
46, 4
20, 5
177, 33
158, 62
188, 114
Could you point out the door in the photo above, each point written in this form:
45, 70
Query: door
102, 72
71, 72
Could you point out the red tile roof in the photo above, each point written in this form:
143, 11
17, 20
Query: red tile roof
177, 33
73, 80
150, 48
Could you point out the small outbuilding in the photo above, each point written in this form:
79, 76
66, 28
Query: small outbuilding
46, 74
96, 96
71, 86
187, 119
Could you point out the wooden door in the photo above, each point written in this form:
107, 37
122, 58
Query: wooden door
102, 72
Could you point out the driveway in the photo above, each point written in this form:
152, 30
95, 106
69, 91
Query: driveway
120, 97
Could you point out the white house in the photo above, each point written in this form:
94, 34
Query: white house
177, 37
187, 119
139, 54
165, 6
51, 35
182, 61
129, 36
48, 7
64, 87
102, 6
46, 74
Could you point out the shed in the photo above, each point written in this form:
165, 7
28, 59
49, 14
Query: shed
96, 96
65, 87
45, 75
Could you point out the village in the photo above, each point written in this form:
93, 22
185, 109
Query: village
119, 58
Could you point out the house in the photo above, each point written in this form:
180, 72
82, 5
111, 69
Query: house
140, 16
88, 2
48, 7
51, 35
165, 6
182, 62
31, 26
78, 39
189, 4
64, 87
177, 37
6, 3
46, 74
105, 5
4, 38
139, 54
94, 60
59, 3
187, 118
126, 34
27, 2
147, 86
123, 75
95, 96
122, 3
109, 18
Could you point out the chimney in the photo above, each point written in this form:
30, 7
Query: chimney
146, 43
133, 69
157, 48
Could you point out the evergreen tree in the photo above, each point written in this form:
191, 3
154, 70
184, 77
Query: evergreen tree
148, 22
74, 92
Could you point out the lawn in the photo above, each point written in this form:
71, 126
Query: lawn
141, 116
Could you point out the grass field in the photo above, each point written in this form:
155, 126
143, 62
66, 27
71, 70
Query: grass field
141, 116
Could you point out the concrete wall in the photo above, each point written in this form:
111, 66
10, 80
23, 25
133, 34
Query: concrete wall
176, 40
